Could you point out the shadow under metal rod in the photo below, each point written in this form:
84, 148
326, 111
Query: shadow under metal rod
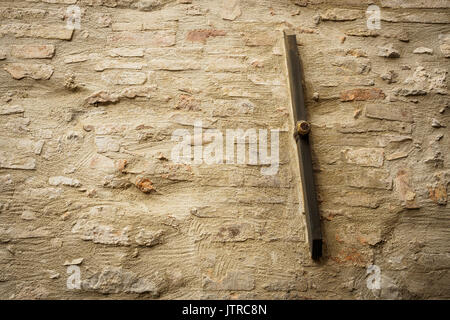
302, 129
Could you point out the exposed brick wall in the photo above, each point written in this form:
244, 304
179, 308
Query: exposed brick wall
87, 179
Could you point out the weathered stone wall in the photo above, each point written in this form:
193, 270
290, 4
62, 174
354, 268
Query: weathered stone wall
87, 179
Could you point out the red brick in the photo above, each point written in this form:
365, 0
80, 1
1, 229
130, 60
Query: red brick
362, 95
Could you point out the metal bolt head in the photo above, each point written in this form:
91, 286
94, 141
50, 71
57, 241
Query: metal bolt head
303, 127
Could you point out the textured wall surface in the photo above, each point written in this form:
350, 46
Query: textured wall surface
87, 179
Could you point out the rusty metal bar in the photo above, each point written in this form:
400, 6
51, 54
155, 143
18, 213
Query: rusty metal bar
302, 129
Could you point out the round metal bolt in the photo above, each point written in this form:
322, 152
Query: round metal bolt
303, 127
